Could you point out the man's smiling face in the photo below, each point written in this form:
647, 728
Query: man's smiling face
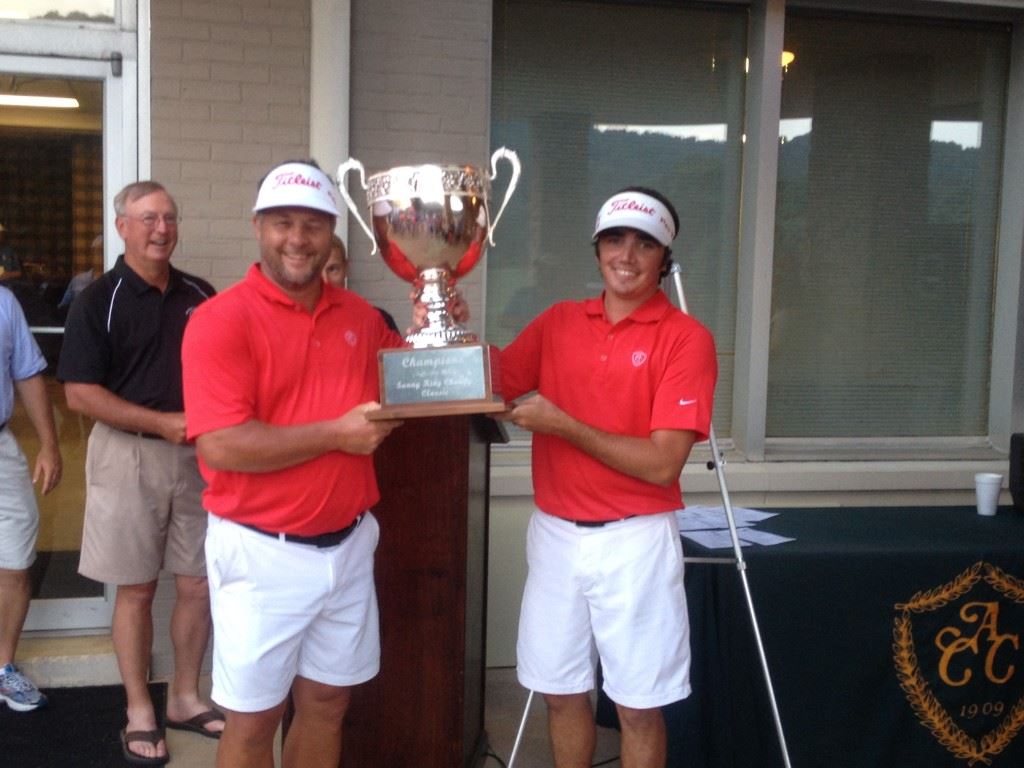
294, 245
149, 228
630, 263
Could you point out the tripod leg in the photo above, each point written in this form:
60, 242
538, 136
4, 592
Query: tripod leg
741, 565
522, 727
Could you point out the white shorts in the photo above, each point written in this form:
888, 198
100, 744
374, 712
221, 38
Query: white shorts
614, 593
19, 513
282, 609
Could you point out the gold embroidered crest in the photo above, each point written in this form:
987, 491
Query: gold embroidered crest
993, 650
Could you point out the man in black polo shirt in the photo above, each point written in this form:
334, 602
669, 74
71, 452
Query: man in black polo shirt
121, 366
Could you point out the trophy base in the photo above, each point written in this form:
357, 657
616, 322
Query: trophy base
438, 381
423, 410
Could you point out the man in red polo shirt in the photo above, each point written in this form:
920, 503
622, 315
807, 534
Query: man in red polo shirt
279, 373
624, 385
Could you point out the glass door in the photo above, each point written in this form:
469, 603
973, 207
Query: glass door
59, 167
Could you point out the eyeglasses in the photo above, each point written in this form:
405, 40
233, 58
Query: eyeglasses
150, 220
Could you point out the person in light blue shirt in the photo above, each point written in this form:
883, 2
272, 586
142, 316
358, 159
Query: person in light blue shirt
22, 373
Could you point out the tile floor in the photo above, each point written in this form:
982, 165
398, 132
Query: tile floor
505, 700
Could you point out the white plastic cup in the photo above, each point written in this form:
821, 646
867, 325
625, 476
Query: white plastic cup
986, 488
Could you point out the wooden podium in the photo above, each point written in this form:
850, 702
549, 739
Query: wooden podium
426, 707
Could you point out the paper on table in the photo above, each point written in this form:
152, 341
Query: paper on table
721, 539
767, 538
698, 518
712, 539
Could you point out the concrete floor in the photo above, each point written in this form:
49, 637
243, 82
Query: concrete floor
505, 700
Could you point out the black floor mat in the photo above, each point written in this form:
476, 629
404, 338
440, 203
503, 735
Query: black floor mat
78, 728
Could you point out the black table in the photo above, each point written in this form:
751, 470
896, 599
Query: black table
893, 636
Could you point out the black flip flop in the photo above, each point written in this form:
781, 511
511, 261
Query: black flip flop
198, 723
150, 737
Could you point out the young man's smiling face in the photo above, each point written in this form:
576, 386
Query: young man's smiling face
630, 263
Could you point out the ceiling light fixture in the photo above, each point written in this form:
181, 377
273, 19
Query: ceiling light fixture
44, 102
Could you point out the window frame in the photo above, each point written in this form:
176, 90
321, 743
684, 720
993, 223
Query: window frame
85, 49
896, 467
755, 263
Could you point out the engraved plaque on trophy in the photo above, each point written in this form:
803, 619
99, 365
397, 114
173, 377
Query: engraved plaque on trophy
431, 224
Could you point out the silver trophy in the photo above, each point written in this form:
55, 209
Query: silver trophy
431, 224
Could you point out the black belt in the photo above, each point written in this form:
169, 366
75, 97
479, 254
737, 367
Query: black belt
146, 435
598, 523
321, 540
3, 426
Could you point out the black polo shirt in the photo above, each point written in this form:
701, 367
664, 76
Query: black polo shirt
125, 335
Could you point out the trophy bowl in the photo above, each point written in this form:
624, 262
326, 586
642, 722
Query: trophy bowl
431, 224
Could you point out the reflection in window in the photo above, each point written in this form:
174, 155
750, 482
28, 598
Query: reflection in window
965, 133
885, 228
711, 132
588, 116
954, 156
793, 128
59, 10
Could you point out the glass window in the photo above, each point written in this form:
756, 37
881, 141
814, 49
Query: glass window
59, 10
882, 291
595, 96
51, 247
51, 195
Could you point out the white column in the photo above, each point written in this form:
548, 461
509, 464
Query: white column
330, 73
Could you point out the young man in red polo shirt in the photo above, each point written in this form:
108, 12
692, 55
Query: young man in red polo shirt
279, 373
624, 385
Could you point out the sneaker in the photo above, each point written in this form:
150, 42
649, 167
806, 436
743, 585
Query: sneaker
18, 691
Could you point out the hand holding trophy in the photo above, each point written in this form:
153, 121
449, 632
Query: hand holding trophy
431, 225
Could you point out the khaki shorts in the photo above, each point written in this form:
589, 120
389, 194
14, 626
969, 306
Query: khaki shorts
143, 509
19, 515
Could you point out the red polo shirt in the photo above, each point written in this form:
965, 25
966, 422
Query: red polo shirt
256, 354
654, 370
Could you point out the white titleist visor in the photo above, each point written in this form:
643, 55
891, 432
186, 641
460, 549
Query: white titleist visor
299, 185
636, 211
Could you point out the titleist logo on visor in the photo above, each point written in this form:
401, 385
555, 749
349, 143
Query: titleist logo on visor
637, 211
631, 205
291, 178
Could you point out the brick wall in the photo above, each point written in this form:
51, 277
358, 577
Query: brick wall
230, 98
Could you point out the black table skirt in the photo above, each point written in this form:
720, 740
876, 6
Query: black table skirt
852, 615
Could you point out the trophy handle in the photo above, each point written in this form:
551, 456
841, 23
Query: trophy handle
343, 170
513, 158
